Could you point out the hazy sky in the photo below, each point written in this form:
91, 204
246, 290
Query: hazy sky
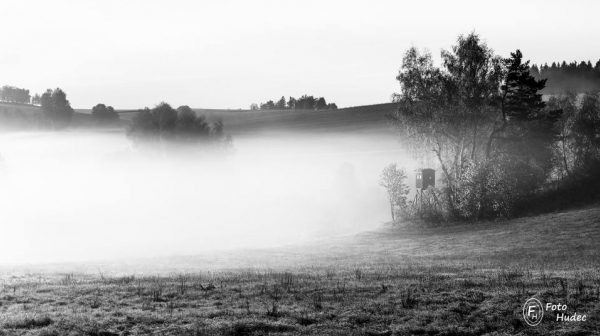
229, 54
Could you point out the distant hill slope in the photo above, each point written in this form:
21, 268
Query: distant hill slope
81, 117
26, 108
359, 118
351, 119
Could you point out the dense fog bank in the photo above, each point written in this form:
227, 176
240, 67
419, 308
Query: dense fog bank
72, 196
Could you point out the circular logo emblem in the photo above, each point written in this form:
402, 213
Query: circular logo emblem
533, 312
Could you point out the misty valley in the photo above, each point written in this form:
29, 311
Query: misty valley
464, 201
98, 196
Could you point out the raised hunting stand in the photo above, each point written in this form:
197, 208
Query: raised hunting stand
425, 178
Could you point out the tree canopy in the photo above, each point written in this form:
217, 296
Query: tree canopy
12, 94
574, 76
477, 115
56, 108
304, 102
165, 127
105, 115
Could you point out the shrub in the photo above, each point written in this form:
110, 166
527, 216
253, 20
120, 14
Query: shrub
392, 179
56, 108
105, 115
165, 127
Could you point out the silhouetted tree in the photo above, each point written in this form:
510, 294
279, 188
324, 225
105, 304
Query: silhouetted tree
56, 108
305, 102
280, 105
166, 119
320, 104
268, 105
466, 110
518, 152
291, 104
166, 127
12, 94
191, 128
576, 77
521, 100
105, 115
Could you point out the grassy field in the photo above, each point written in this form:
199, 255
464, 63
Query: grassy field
370, 118
464, 279
355, 119
468, 279
26, 108
82, 118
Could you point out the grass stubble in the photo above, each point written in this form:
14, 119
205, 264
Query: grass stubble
468, 279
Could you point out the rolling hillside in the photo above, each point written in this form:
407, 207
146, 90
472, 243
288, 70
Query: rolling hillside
563, 241
81, 117
460, 280
359, 118
11, 107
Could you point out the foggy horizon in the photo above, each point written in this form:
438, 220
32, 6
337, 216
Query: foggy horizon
299, 167
231, 54
92, 193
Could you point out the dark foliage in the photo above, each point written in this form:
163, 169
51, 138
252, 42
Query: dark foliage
521, 90
165, 127
105, 115
56, 108
192, 128
11, 94
575, 156
484, 120
305, 102
575, 77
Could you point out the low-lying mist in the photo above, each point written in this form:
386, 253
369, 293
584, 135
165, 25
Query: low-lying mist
75, 196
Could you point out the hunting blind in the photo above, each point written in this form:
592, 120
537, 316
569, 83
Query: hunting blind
425, 178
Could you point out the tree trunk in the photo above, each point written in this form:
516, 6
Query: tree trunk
482, 191
449, 189
497, 130
565, 156
474, 137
